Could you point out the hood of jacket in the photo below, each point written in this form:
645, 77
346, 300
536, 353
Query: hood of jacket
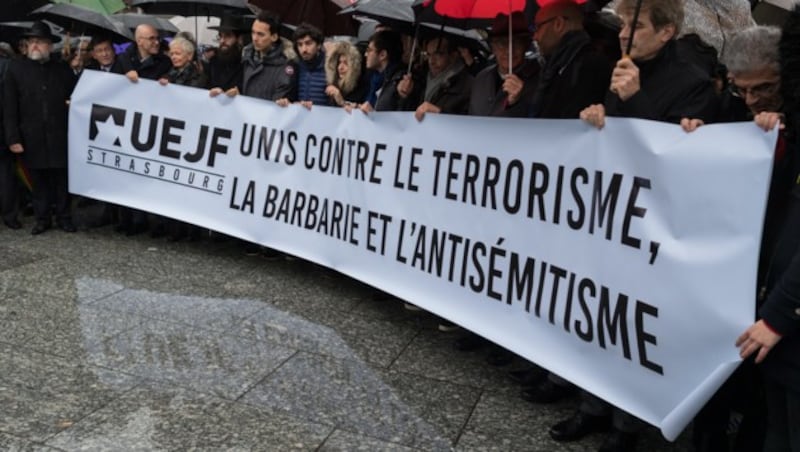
349, 82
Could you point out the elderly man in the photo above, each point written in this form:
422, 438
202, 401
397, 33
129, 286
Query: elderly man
755, 79
446, 85
500, 90
9, 189
145, 60
774, 339
35, 96
654, 81
574, 75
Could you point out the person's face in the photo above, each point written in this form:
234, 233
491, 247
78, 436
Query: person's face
372, 57
438, 57
307, 48
179, 56
147, 41
39, 48
227, 40
545, 34
343, 67
760, 89
500, 50
103, 53
647, 41
262, 36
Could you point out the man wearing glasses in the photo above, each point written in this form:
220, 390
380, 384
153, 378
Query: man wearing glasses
145, 60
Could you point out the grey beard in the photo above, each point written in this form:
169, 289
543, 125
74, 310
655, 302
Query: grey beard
41, 57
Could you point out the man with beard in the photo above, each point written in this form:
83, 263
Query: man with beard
311, 82
35, 95
224, 70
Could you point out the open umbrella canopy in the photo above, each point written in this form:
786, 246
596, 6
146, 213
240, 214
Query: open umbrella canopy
133, 20
16, 10
211, 8
323, 14
81, 21
101, 6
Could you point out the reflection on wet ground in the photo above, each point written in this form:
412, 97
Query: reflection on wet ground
115, 343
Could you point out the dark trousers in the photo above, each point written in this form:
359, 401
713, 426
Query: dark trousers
783, 418
9, 186
50, 189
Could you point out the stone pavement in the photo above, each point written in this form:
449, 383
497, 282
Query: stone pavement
116, 343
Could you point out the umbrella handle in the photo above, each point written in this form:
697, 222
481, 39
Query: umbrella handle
413, 48
636, 12
510, 42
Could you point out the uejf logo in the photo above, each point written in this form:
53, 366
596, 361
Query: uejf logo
154, 147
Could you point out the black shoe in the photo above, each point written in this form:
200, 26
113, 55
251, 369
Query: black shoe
13, 224
528, 377
67, 226
135, 229
469, 343
619, 441
446, 326
271, 254
99, 222
547, 392
158, 231
499, 358
122, 228
579, 426
39, 228
251, 249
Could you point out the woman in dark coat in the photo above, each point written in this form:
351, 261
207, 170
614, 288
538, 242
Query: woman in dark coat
343, 73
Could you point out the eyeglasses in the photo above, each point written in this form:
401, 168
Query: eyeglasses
538, 25
150, 38
761, 90
438, 53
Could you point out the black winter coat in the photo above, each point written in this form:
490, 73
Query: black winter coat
153, 68
35, 110
780, 296
672, 88
270, 77
488, 98
223, 73
574, 77
452, 97
388, 99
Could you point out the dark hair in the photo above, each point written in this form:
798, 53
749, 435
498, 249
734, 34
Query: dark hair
390, 41
306, 29
97, 40
270, 19
445, 44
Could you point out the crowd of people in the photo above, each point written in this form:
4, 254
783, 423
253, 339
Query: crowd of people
554, 66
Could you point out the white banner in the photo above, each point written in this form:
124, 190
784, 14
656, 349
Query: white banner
623, 260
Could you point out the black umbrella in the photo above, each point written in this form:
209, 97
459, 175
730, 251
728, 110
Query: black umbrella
133, 20
189, 8
322, 14
82, 21
14, 10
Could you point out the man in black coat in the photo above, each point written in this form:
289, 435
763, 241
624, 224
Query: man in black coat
36, 92
443, 88
145, 60
224, 70
653, 82
574, 75
9, 188
501, 89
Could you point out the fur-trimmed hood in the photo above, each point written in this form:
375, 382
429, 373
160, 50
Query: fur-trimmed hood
349, 83
287, 51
